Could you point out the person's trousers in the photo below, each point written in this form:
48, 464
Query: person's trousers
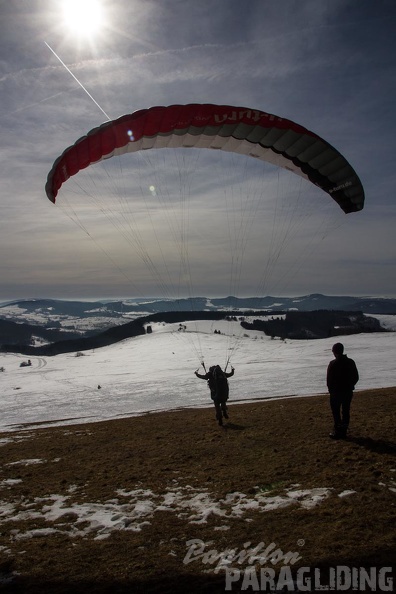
340, 404
221, 409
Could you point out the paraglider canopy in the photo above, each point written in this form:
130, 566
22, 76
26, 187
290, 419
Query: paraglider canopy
228, 220
241, 130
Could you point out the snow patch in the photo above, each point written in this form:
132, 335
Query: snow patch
135, 509
27, 462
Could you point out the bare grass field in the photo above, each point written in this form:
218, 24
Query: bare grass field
156, 503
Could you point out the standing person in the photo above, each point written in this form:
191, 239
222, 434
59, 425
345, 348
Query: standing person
219, 389
342, 375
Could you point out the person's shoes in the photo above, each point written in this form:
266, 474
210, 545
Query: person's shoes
337, 435
220, 421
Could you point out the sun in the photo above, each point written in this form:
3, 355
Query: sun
84, 18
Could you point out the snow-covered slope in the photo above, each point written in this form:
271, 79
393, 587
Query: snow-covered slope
156, 372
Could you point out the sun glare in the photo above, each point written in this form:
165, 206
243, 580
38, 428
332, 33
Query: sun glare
83, 17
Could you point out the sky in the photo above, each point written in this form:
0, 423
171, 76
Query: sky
328, 65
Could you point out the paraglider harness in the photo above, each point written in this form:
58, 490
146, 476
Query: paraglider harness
218, 384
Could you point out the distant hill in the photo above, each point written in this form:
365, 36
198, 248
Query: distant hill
315, 324
110, 336
99, 315
294, 325
19, 333
80, 325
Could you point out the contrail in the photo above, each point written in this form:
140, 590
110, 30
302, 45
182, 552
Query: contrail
76, 79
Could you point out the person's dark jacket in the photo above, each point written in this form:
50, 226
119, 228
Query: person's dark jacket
210, 377
342, 375
209, 374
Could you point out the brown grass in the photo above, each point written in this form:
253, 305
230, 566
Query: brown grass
265, 448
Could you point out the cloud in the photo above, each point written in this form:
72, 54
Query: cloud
327, 66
